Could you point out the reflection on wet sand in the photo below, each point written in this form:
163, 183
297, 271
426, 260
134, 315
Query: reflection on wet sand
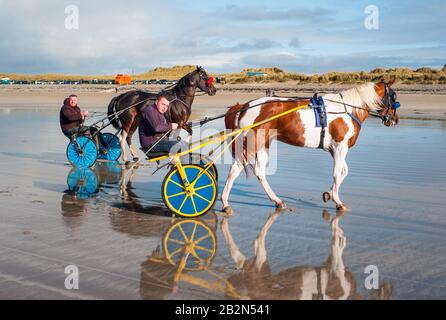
130, 201
188, 246
184, 256
84, 184
330, 281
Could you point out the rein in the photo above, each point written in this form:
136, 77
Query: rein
206, 119
372, 113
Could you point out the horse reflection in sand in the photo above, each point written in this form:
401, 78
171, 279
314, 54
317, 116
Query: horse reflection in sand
330, 281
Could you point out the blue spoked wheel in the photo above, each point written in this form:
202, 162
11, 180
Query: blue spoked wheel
110, 148
82, 153
193, 200
83, 182
202, 161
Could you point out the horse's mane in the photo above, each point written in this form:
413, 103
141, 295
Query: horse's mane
364, 96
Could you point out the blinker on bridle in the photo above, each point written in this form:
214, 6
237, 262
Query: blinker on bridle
390, 103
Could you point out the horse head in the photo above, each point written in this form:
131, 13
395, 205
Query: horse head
389, 103
200, 79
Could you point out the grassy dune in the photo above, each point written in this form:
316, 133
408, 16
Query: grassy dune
404, 75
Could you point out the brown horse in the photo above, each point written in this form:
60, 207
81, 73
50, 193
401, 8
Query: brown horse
346, 112
181, 97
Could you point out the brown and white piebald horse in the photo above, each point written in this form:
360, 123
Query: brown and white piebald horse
346, 111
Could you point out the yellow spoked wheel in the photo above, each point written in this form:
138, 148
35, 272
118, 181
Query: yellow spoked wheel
190, 243
190, 198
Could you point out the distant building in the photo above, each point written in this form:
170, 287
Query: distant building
123, 79
256, 74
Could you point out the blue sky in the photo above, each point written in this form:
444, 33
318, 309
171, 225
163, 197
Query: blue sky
223, 36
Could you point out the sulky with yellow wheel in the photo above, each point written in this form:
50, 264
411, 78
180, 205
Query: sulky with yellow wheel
189, 190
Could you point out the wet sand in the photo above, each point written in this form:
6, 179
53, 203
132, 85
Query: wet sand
126, 245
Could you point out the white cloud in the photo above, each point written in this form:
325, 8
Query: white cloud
116, 36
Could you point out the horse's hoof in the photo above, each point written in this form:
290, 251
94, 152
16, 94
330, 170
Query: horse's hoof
341, 207
135, 159
127, 163
326, 215
326, 196
228, 210
281, 205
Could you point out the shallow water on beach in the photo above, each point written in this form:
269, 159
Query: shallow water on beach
126, 245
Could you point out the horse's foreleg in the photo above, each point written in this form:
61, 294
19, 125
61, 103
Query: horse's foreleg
260, 171
335, 262
122, 140
236, 168
329, 194
340, 171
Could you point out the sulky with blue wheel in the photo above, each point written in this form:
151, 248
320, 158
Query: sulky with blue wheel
82, 152
110, 148
189, 190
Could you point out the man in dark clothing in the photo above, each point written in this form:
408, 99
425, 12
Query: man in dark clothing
153, 126
71, 118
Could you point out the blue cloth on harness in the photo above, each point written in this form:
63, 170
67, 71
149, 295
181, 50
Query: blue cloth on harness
318, 107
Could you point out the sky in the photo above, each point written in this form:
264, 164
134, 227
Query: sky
222, 36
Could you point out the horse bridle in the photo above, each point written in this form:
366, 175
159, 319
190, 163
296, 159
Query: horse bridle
389, 96
209, 82
390, 102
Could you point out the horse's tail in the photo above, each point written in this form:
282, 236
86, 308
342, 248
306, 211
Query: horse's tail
232, 118
111, 113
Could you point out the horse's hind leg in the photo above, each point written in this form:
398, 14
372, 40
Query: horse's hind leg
234, 251
236, 168
133, 151
259, 243
260, 171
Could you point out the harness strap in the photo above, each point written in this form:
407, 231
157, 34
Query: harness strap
318, 103
350, 113
355, 118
